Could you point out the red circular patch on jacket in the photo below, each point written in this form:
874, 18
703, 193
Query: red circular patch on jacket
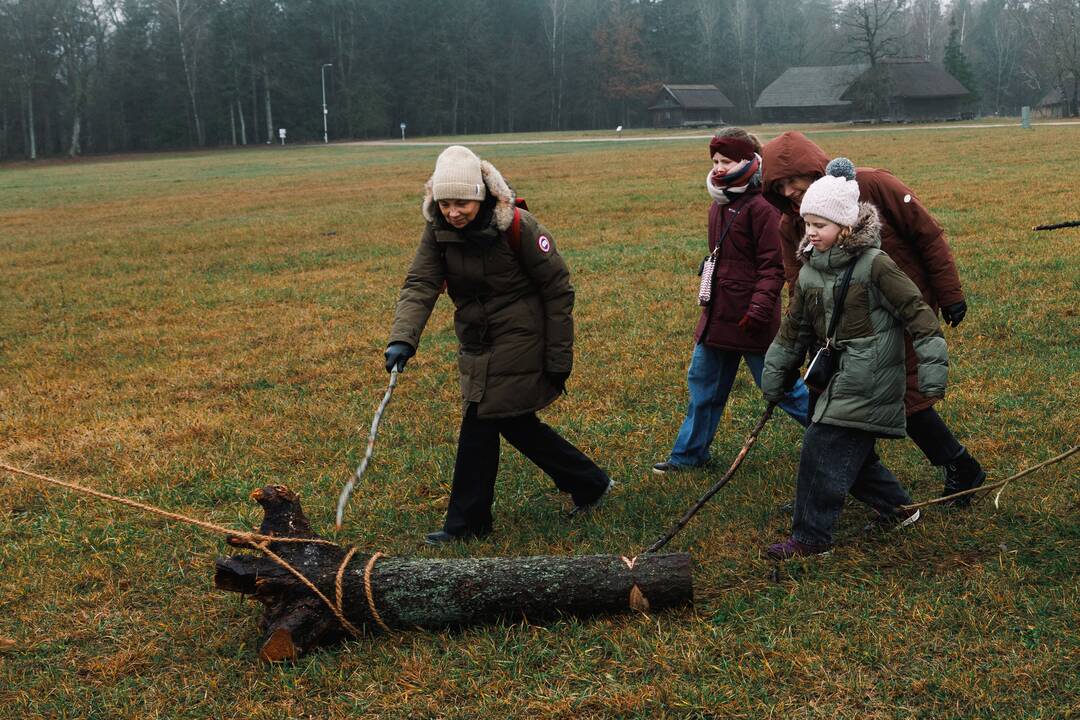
544, 243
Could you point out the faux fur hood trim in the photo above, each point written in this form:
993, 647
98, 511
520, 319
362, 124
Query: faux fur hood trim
865, 234
496, 186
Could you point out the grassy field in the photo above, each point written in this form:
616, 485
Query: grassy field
184, 328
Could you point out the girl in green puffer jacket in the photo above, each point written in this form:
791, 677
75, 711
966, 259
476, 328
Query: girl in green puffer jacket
864, 399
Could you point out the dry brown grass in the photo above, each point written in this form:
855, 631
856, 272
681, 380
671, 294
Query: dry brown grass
184, 328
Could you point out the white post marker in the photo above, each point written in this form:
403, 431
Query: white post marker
281, 134
403, 131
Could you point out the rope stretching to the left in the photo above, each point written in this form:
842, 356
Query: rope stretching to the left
257, 541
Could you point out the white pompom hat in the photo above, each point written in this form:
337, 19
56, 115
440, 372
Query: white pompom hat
835, 196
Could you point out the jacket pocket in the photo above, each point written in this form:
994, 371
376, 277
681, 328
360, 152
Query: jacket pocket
473, 368
855, 378
733, 296
855, 319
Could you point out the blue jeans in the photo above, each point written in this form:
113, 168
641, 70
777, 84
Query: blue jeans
712, 373
835, 461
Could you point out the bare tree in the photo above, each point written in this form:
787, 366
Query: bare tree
554, 22
1004, 46
709, 14
81, 31
190, 21
873, 28
1057, 28
29, 24
927, 23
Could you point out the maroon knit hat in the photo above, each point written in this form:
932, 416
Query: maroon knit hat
731, 147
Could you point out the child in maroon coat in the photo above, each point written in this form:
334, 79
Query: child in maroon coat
740, 313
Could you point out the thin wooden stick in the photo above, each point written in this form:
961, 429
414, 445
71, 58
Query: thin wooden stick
719, 483
1058, 226
1001, 484
347, 490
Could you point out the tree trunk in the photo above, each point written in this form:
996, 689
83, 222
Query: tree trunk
433, 593
31, 138
73, 148
189, 74
240, 112
269, 116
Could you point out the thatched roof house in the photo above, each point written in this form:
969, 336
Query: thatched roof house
810, 93
898, 90
1057, 103
688, 106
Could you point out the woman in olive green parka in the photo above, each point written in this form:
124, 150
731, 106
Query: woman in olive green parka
513, 316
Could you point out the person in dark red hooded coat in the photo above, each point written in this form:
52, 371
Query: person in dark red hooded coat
740, 296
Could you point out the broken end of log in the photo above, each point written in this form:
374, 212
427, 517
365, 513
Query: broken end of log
279, 647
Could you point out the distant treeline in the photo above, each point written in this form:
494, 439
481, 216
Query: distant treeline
80, 76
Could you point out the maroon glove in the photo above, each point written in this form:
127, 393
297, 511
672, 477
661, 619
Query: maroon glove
751, 325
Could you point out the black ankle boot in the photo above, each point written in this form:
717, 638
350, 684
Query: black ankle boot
962, 473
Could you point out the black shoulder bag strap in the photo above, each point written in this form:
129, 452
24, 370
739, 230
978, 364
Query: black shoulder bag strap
839, 303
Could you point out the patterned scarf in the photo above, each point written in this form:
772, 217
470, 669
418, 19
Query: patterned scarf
725, 188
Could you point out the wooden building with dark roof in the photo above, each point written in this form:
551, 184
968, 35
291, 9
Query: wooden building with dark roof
1057, 103
809, 94
910, 90
688, 106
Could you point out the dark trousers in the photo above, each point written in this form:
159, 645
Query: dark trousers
930, 433
477, 464
835, 461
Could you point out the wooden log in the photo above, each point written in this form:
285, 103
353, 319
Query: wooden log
432, 593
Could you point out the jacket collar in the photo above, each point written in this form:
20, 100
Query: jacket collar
865, 234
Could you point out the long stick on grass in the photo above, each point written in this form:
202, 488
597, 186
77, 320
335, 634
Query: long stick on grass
719, 483
1058, 226
995, 486
347, 490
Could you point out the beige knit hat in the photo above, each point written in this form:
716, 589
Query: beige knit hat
457, 175
835, 196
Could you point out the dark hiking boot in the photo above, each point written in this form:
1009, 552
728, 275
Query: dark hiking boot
893, 521
792, 548
963, 473
663, 468
441, 537
581, 509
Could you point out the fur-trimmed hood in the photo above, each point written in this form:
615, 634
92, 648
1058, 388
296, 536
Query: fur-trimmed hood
496, 186
865, 234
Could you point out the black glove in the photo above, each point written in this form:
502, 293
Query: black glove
558, 379
397, 354
954, 313
790, 378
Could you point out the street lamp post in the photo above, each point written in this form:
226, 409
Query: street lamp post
322, 73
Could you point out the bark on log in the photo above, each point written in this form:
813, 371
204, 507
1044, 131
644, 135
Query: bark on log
432, 593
